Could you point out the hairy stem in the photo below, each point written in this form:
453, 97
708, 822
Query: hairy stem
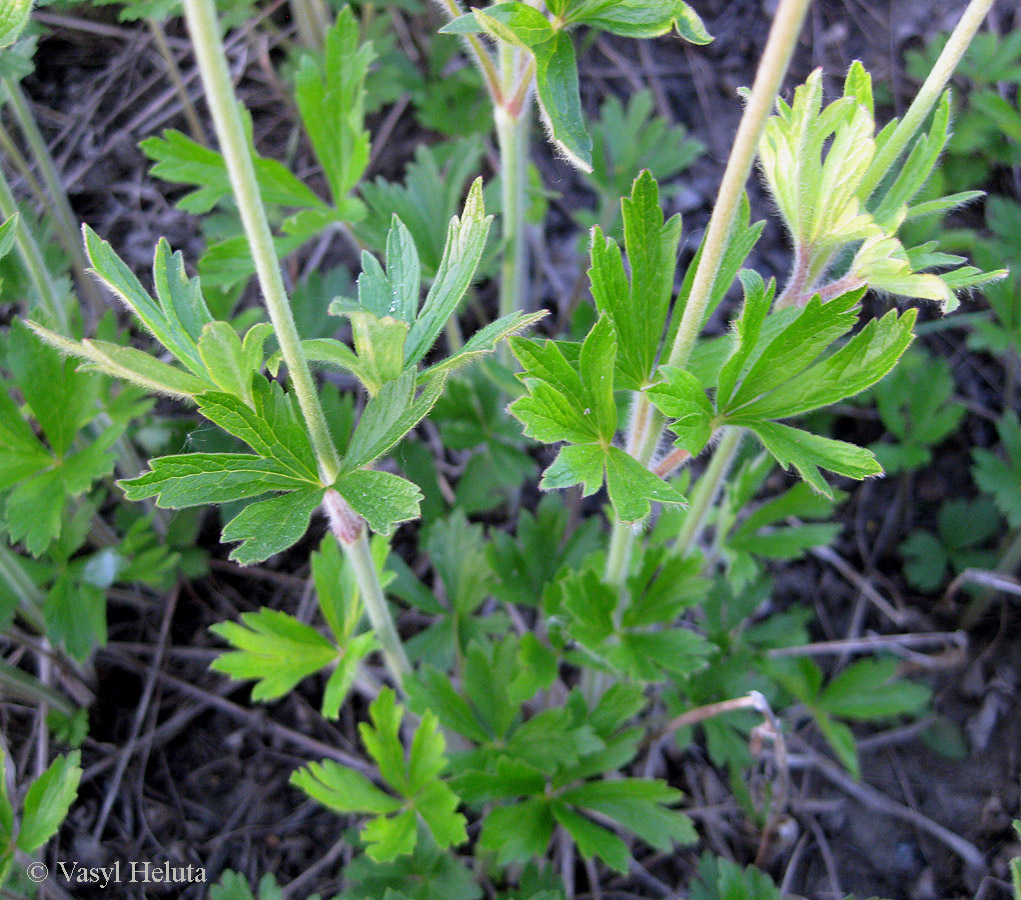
783, 35
352, 535
707, 490
19, 684
205, 33
512, 138
32, 258
928, 94
55, 196
205, 36
174, 70
16, 579
478, 52
313, 20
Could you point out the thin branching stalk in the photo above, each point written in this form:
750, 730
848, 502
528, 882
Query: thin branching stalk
55, 194
707, 489
205, 35
312, 19
20, 585
483, 58
63, 215
928, 94
32, 259
349, 528
353, 537
509, 80
783, 36
174, 71
19, 684
512, 138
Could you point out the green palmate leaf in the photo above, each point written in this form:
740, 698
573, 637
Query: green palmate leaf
720, 879
14, 16
395, 292
129, 364
485, 341
34, 507
577, 405
180, 298
859, 364
331, 98
598, 355
592, 839
466, 239
637, 309
582, 464
758, 297
638, 805
869, 689
743, 236
48, 800
681, 397
23, 453
181, 160
809, 452
556, 84
343, 790
270, 426
384, 500
1000, 478
112, 270
640, 18
631, 486
412, 775
778, 358
271, 526
196, 479
61, 399
430, 196
274, 648
519, 832
389, 416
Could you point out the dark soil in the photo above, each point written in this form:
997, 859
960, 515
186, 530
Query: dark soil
180, 765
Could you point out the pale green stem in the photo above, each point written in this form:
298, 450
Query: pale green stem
63, 215
783, 36
174, 71
16, 683
360, 557
349, 527
32, 258
1008, 565
478, 52
30, 599
312, 21
512, 138
928, 94
352, 535
21, 166
205, 35
707, 489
